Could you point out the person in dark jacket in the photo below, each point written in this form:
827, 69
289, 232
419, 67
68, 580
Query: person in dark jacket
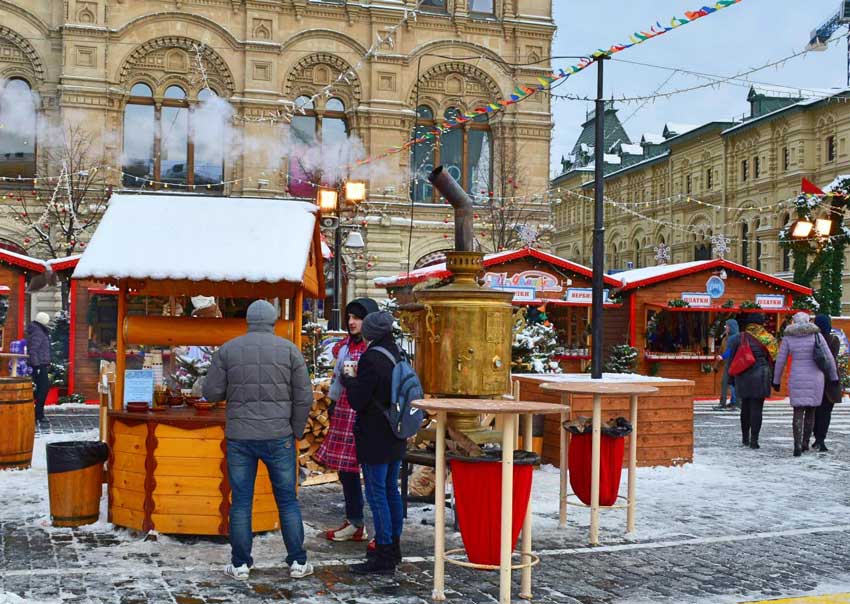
378, 450
338, 450
264, 380
730, 329
753, 385
832, 392
38, 347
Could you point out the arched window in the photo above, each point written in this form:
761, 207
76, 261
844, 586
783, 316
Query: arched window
786, 251
465, 151
17, 130
745, 244
328, 128
209, 137
158, 147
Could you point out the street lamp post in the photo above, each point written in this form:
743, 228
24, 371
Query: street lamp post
328, 202
598, 228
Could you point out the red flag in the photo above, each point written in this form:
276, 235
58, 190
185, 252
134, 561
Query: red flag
810, 188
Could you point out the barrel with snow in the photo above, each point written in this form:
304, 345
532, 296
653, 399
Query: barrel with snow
75, 481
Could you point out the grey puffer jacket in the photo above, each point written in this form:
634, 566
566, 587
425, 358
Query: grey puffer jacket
264, 379
38, 344
806, 381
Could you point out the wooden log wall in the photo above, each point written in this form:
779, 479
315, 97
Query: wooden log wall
665, 421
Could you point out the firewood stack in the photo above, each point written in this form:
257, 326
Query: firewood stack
318, 424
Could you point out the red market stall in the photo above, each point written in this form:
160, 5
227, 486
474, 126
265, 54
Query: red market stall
16, 271
562, 289
677, 313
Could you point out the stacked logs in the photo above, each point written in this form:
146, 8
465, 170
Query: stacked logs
318, 424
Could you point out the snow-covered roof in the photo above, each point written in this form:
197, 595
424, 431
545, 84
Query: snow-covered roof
834, 184
652, 139
177, 237
631, 149
675, 128
650, 272
612, 159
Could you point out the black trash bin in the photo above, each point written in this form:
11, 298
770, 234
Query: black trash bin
75, 481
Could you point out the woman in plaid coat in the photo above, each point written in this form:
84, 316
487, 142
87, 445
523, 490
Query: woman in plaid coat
337, 451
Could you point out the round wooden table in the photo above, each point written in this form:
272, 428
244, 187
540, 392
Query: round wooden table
599, 388
510, 410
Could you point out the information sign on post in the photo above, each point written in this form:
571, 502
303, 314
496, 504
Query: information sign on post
138, 386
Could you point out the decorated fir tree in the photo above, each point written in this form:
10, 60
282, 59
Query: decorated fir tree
623, 359
60, 332
534, 349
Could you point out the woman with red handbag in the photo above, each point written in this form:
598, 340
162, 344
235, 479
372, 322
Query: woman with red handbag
750, 366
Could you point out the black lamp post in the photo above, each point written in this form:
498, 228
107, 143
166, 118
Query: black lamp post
598, 283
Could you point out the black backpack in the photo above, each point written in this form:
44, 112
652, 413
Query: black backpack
404, 419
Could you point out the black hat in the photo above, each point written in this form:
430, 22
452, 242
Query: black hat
756, 318
360, 307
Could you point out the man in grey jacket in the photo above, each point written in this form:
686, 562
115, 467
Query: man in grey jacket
265, 382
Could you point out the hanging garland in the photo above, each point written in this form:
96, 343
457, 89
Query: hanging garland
522, 92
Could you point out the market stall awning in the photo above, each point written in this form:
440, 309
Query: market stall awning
439, 271
641, 277
179, 244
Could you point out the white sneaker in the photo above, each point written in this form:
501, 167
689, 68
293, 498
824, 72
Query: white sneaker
237, 572
297, 571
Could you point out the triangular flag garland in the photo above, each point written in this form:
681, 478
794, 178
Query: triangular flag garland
522, 91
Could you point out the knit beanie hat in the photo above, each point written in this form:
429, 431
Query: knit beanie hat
360, 307
43, 318
756, 318
376, 325
824, 323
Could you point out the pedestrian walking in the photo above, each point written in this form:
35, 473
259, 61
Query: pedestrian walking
753, 384
729, 329
379, 451
832, 392
338, 451
801, 341
38, 347
264, 380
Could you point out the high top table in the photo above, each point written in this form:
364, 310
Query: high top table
510, 410
600, 388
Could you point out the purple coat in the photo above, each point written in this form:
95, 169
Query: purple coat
806, 382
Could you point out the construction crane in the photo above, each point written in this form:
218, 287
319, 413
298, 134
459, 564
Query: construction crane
820, 36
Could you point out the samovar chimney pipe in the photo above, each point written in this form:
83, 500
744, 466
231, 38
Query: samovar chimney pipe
462, 204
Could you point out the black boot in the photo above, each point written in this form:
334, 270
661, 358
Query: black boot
382, 563
745, 440
397, 550
754, 443
821, 447
797, 451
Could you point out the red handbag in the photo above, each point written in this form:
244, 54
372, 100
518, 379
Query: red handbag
743, 358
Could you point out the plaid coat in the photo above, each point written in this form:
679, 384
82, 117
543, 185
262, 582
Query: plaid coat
338, 451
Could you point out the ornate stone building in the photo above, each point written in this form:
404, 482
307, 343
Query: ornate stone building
145, 80
693, 182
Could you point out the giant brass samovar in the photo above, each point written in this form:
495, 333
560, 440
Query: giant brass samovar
463, 331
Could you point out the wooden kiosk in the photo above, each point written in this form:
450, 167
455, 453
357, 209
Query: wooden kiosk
167, 468
538, 280
677, 313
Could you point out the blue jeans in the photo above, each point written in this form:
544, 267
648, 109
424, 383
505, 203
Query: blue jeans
384, 500
724, 386
279, 457
353, 493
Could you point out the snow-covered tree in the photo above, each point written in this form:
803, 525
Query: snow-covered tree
534, 348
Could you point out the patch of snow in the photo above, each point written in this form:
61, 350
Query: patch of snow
652, 139
675, 129
631, 149
639, 274
612, 159
223, 239
610, 377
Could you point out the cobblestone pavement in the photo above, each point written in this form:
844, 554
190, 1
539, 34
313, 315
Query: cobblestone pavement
737, 525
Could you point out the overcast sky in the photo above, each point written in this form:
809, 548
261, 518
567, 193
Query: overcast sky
730, 41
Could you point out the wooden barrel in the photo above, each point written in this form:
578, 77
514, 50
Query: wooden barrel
74, 481
17, 423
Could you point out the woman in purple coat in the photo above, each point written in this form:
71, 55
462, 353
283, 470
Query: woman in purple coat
806, 382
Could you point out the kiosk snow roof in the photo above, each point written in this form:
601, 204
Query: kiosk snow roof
179, 244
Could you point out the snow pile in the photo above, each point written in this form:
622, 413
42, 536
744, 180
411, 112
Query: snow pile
200, 238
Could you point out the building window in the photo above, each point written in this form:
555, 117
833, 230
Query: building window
158, 147
688, 184
830, 148
481, 7
745, 170
758, 254
709, 179
328, 128
786, 159
745, 244
433, 4
465, 152
17, 130
702, 252
756, 166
